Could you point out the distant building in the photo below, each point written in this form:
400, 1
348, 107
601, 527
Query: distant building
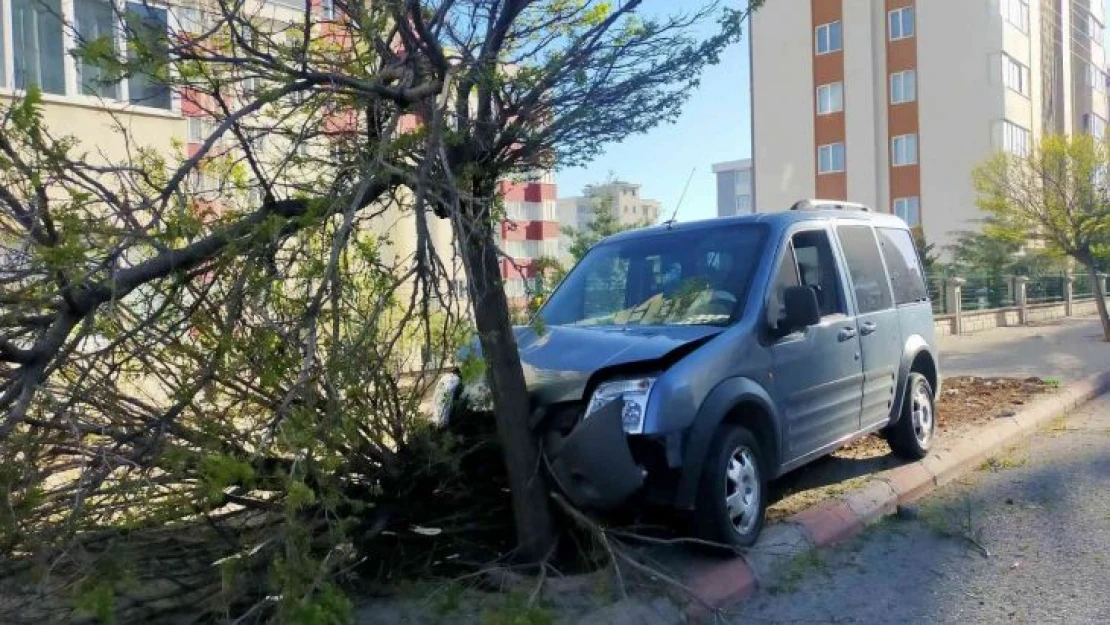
735, 190
623, 199
893, 104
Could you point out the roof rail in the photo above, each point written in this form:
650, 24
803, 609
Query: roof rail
815, 204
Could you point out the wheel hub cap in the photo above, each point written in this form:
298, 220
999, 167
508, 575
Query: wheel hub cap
923, 422
742, 496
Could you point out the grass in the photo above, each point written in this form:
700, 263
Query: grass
952, 521
996, 464
790, 578
515, 610
1053, 383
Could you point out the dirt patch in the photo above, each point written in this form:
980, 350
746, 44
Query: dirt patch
965, 403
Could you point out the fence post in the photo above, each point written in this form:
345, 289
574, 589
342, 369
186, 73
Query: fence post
954, 295
1069, 293
1022, 283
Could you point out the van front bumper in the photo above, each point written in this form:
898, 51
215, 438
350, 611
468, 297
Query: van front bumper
593, 465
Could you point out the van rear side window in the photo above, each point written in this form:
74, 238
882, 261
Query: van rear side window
903, 264
866, 268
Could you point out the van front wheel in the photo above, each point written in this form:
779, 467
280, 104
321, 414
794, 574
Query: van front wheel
732, 494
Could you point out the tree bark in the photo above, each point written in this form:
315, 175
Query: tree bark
1099, 290
531, 507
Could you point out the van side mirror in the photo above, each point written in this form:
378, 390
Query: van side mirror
801, 309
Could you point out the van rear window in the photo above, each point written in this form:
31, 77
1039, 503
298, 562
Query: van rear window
903, 264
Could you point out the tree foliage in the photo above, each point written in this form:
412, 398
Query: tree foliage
214, 347
1056, 195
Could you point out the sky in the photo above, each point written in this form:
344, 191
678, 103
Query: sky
715, 126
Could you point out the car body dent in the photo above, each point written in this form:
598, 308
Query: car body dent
593, 465
562, 362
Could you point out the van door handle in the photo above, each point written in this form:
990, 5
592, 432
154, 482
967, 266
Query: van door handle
867, 327
846, 334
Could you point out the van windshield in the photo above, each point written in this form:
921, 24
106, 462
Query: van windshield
695, 277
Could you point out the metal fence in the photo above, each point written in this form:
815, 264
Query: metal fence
993, 292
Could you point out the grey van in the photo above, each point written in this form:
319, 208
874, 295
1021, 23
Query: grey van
690, 363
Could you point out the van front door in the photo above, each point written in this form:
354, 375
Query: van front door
817, 373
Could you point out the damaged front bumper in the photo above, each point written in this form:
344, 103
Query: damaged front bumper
593, 464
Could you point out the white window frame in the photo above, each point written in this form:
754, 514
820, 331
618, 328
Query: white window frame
835, 95
822, 34
1095, 28
901, 208
1016, 13
72, 91
1015, 138
831, 150
898, 16
903, 150
1096, 78
899, 79
1013, 71
1094, 125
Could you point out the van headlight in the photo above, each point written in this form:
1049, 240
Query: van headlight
634, 392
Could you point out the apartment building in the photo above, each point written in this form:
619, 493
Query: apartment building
894, 102
735, 188
37, 38
623, 199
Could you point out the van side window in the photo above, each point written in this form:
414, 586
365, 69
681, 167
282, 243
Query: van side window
811, 264
865, 264
817, 270
903, 264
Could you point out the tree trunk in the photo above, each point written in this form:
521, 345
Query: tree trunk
1099, 289
531, 507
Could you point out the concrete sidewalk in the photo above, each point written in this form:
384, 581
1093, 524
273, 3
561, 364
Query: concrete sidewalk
1066, 349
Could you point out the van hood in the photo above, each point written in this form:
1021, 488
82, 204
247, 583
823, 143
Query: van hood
559, 361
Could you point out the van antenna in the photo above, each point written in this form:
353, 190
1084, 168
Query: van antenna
674, 215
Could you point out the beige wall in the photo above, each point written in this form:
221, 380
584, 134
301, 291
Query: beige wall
961, 100
782, 104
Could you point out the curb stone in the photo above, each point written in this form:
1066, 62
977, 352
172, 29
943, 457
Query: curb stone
725, 582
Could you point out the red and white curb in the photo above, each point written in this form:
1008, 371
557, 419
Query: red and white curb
718, 584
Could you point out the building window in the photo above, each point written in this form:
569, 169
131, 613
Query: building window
830, 98
1094, 125
95, 25
909, 210
744, 177
148, 25
828, 38
903, 150
743, 204
37, 45
1015, 139
900, 22
1016, 13
903, 87
1015, 75
830, 158
327, 9
1094, 28
1096, 78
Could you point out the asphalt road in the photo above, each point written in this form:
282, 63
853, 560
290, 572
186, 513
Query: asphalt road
1025, 539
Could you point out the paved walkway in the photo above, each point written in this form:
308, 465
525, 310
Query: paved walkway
1066, 349
1041, 513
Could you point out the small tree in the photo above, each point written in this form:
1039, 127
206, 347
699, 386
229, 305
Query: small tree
1056, 194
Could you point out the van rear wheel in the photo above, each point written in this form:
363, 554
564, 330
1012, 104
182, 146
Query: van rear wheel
732, 497
912, 436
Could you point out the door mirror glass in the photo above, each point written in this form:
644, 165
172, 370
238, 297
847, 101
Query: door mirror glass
801, 309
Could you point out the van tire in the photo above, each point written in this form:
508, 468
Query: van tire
912, 436
734, 468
